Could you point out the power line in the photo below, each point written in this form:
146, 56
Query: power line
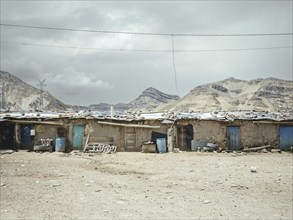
145, 50
174, 66
175, 71
146, 33
151, 0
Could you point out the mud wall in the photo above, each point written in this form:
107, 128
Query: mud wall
100, 130
145, 134
256, 134
44, 132
213, 131
250, 134
50, 131
127, 138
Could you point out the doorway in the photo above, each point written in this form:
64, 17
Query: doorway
286, 137
7, 136
184, 137
233, 138
26, 139
77, 136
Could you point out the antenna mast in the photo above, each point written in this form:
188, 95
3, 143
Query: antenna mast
42, 85
2, 96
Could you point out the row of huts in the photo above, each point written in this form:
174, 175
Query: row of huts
231, 131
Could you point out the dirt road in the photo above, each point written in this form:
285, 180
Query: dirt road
186, 185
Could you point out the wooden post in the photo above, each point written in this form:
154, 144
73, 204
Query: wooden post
170, 139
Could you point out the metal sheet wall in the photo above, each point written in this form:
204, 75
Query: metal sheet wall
233, 138
286, 137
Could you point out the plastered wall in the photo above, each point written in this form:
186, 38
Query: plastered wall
208, 130
250, 134
44, 132
254, 134
119, 133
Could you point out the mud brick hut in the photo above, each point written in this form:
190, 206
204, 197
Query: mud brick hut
231, 131
23, 130
236, 130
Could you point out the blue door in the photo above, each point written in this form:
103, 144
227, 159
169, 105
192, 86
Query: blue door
286, 137
26, 140
233, 138
77, 136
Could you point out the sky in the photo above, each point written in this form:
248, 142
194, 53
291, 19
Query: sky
83, 68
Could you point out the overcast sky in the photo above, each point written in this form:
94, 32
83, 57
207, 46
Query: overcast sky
86, 76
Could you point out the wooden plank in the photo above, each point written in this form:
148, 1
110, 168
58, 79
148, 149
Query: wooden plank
129, 142
36, 122
101, 139
128, 125
289, 122
86, 142
98, 143
256, 148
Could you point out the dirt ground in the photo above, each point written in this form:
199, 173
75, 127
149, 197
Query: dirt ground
186, 185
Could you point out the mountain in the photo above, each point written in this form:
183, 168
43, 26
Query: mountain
150, 99
19, 95
106, 108
270, 94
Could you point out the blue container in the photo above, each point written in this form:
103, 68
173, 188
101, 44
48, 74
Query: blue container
161, 145
60, 144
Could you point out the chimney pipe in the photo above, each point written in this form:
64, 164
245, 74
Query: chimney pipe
112, 111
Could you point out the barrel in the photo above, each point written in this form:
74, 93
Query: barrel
194, 145
60, 144
161, 145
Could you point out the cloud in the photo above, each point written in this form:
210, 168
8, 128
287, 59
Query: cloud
24, 68
72, 79
93, 76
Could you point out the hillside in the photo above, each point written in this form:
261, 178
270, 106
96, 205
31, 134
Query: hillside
19, 95
268, 94
150, 99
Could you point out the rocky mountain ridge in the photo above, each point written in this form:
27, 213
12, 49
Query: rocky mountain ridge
18, 95
270, 94
150, 99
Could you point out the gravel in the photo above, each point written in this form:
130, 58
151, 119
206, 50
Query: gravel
189, 185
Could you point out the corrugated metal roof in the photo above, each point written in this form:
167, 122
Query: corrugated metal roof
218, 116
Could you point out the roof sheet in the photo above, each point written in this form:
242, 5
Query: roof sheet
218, 116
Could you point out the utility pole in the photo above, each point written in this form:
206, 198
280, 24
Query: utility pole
2, 94
42, 85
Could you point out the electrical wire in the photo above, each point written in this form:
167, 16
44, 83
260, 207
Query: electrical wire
175, 71
154, 0
174, 66
146, 33
144, 50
